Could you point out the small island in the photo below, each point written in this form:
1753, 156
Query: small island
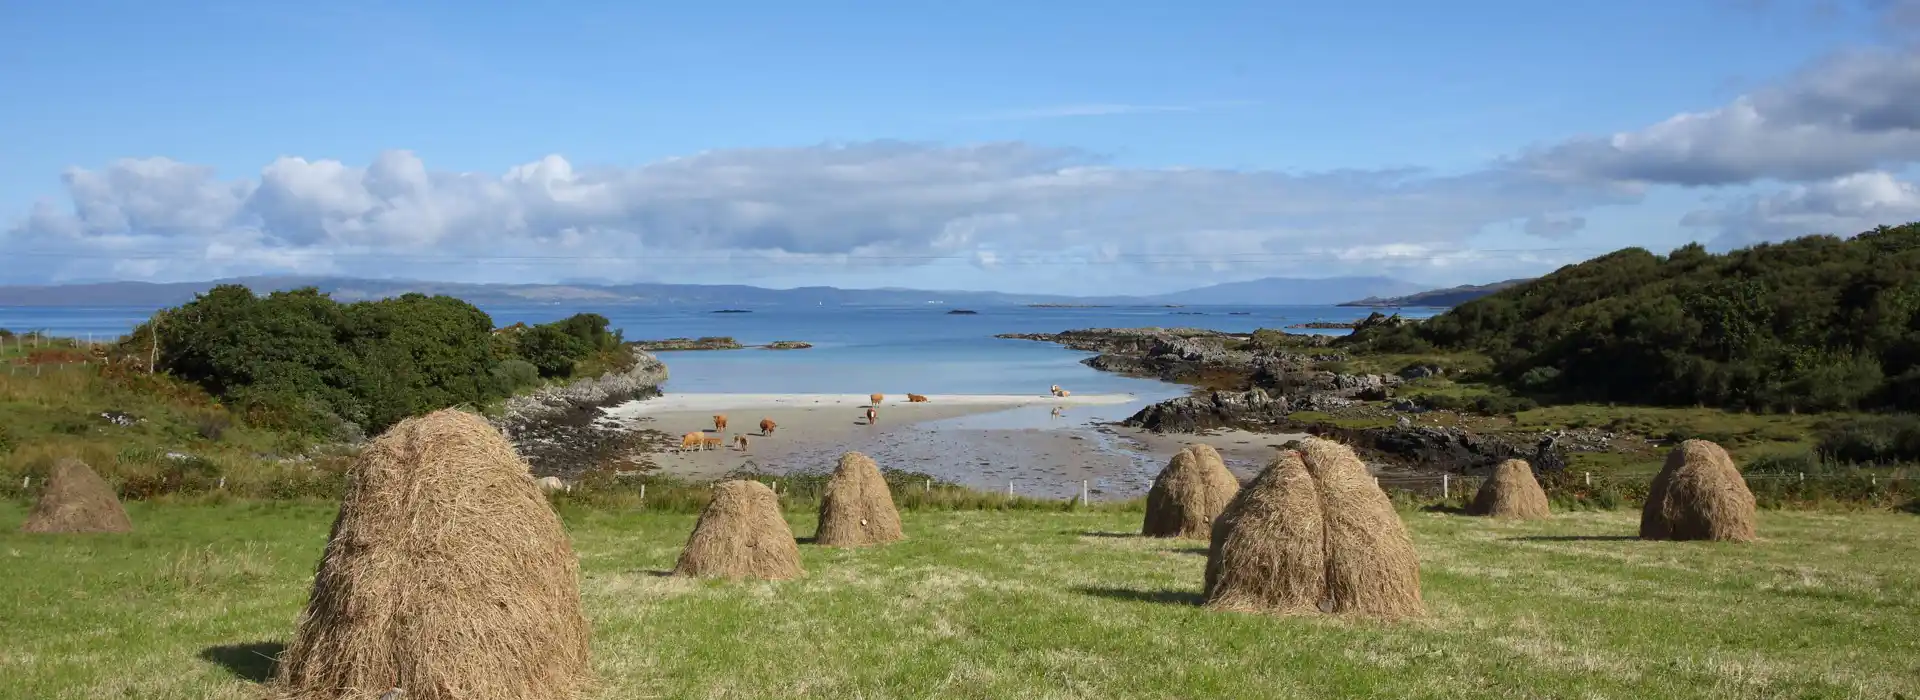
1069, 306
678, 344
963, 312
713, 343
732, 311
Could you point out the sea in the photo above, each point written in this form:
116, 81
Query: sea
856, 349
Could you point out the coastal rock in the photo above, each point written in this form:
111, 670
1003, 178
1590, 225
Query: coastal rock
1217, 409
788, 345
1448, 448
680, 344
556, 427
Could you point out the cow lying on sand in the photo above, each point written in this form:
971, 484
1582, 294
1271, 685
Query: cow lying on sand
916, 398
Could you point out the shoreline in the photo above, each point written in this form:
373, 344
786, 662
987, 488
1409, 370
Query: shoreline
1017, 441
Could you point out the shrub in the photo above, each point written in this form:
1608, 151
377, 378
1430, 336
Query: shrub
515, 374
1871, 440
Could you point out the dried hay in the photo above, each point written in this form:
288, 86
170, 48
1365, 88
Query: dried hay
1189, 493
1269, 545
1511, 492
741, 535
1372, 568
857, 509
1698, 495
76, 500
447, 575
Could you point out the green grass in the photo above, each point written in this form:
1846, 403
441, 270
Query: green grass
991, 604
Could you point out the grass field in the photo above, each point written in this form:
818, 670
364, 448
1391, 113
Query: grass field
991, 604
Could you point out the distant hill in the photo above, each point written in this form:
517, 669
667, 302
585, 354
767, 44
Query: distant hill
1267, 291
1289, 291
1438, 298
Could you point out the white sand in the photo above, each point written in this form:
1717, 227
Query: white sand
678, 403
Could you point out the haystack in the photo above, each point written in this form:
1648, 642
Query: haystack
1269, 545
1511, 492
741, 535
1698, 495
1189, 493
76, 500
447, 575
857, 509
1371, 566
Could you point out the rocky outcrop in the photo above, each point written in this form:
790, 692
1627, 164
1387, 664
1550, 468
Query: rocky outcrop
1448, 449
787, 345
680, 344
1216, 409
556, 428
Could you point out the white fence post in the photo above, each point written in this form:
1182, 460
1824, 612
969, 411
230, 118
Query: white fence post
25, 482
1587, 477
1009, 487
223, 483
643, 492
1446, 485
1083, 492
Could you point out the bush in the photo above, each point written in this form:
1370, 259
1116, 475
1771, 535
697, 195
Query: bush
551, 350
515, 374
1871, 440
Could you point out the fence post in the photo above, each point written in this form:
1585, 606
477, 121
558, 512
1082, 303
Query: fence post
1803, 476
1009, 487
1376, 482
929, 486
25, 481
223, 483
1587, 477
1446, 485
1083, 492
643, 492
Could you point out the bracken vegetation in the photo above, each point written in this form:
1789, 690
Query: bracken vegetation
1817, 323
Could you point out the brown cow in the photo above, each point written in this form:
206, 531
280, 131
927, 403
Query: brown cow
691, 440
711, 442
767, 425
741, 440
916, 398
872, 416
875, 399
720, 423
1064, 393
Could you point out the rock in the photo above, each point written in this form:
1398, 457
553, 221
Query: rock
1446, 448
1420, 371
963, 312
556, 427
679, 344
1218, 409
788, 345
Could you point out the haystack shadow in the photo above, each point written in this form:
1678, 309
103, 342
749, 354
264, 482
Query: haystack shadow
1106, 534
1165, 595
1443, 508
1573, 538
253, 661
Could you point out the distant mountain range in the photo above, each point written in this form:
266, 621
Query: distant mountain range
1440, 298
1267, 291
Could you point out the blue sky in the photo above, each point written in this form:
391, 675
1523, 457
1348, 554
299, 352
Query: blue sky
1075, 147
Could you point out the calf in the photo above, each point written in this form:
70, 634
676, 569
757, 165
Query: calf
767, 425
916, 398
711, 442
741, 440
720, 424
872, 416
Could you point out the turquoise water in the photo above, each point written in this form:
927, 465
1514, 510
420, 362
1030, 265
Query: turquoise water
902, 348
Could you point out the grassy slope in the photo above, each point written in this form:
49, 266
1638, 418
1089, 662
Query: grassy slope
1027, 604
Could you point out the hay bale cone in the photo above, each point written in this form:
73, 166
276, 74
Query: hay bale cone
1269, 545
76, 500
447, 575
741, 535
1372, 568
857, 509
1189, 494
1511, 492
1698, 495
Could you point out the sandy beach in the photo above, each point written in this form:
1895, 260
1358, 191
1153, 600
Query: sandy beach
1040, 445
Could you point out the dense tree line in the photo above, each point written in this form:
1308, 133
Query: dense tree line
1815, 323
303, 361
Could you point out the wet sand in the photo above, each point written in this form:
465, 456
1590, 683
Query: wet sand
985, 442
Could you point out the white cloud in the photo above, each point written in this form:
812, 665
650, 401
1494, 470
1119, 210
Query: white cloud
1843, 206
1850, 112
751, 212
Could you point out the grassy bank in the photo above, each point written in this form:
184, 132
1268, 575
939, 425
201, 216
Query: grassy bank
1031, 604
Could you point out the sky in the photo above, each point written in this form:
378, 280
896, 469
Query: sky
1062, 147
